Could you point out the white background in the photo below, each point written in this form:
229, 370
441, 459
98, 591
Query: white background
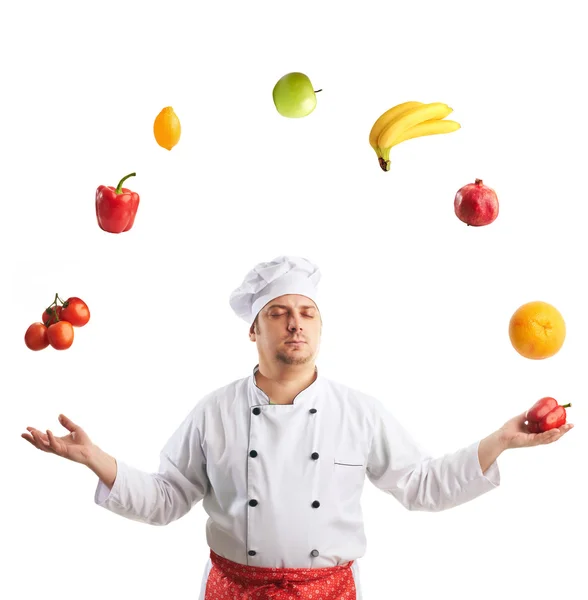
415, 304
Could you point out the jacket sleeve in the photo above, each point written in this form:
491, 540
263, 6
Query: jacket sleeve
400, 466
162, 497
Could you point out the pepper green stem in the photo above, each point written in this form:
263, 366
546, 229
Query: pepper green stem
119, 186
566, 405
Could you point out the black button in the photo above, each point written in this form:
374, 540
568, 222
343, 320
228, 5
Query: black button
252, 502
312, 411
316, 504
252, 553
314, 455
256, 410
315, 553
253, 453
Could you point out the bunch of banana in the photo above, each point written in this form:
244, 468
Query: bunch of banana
406, 121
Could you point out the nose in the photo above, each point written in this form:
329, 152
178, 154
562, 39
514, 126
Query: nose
294, 323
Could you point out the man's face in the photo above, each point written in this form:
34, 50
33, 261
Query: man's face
283, 321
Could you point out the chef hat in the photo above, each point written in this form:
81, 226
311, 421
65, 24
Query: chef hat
269, 280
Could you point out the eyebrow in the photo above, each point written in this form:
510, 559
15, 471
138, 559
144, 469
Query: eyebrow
284, 306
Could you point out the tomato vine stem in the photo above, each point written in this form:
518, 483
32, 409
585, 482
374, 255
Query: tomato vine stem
52, 312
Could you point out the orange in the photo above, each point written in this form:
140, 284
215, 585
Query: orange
167, 128
537, 330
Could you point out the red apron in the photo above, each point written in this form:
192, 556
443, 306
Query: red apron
231, 581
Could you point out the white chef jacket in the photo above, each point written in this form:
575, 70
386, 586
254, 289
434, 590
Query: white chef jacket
282, 483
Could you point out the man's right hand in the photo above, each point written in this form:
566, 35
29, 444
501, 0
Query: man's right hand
75, 446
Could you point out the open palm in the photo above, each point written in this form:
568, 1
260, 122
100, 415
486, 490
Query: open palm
515, 434
75, 446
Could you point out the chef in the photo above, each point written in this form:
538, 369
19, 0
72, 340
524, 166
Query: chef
279, 459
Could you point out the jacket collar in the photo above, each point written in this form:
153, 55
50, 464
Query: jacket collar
257, 396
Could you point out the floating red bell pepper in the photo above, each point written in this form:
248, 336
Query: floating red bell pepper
546, 414
116, 208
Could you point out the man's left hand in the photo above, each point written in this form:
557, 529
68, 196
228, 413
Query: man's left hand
514, 434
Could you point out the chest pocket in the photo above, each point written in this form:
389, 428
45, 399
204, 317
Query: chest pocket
354, 460
349, 470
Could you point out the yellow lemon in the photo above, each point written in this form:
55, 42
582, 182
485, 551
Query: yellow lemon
167, 128
537, 330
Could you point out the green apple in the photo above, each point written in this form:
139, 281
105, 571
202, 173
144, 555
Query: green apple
294, 95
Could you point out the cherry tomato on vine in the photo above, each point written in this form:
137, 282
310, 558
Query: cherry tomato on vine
75, 311
61, 335
36, 337
49, 315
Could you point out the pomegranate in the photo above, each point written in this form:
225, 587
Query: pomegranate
476, 204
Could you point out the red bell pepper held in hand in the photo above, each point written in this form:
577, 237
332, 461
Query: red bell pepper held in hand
116, 208
546, 414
